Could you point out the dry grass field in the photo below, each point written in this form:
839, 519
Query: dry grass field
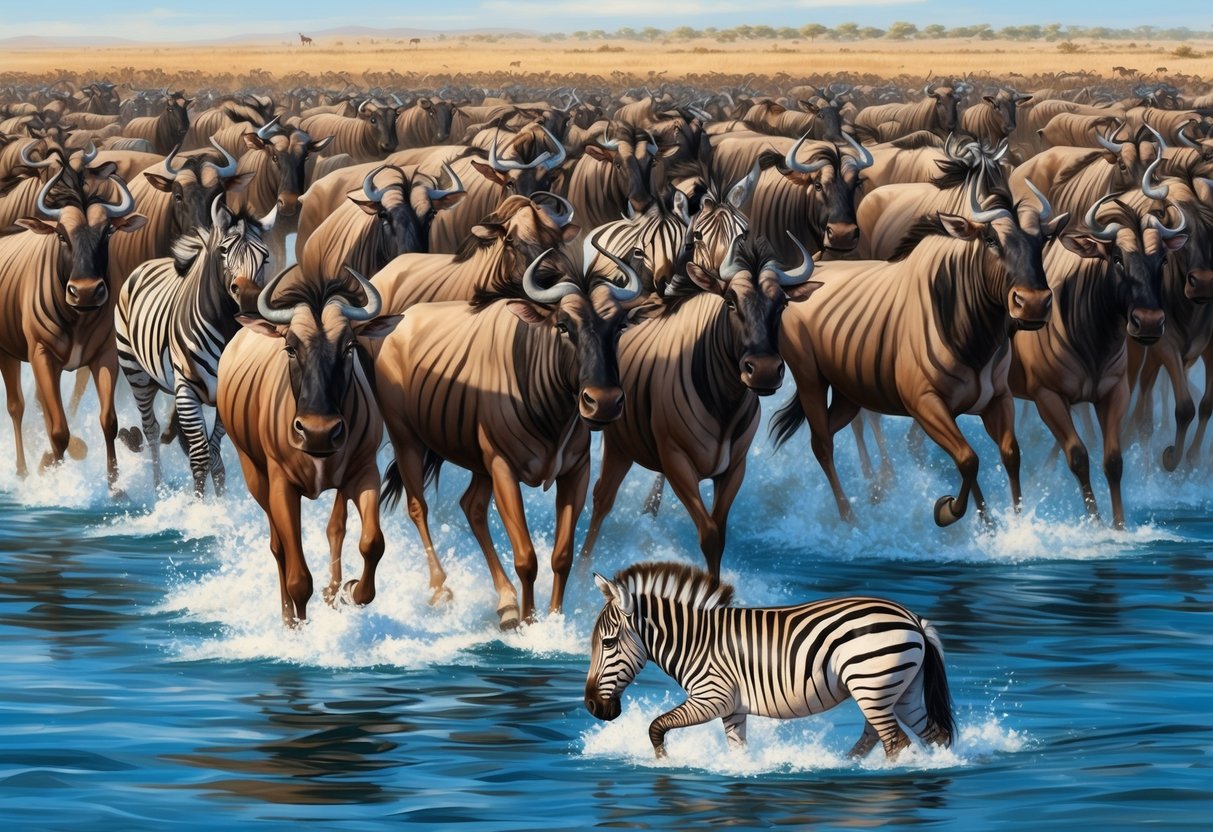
637, 62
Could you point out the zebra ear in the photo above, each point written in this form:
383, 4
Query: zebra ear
605, 586
614, 594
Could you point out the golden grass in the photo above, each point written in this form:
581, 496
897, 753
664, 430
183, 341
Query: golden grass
638, 60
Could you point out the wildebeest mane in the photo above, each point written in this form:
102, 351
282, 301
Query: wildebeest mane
1074, 168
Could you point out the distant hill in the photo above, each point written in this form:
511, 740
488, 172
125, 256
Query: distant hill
319, 35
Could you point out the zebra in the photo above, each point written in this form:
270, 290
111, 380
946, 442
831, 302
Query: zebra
781, 662
659, 233
173, 318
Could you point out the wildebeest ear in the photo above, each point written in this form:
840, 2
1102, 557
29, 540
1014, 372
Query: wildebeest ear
254, 141
104, 170
808, 106
424, 103
320, 144
488, 173
238, 183
602, 154
1084, 245
1175, 243
366, 205
1055, 226
959, 227
378, 327
569, 232
989, 99
448, 201
130, 222
489, 230
261, 326
38, 226
160, 183
527, 312
704, 279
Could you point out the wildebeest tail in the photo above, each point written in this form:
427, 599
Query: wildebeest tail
787, 420
935, 691
393, 482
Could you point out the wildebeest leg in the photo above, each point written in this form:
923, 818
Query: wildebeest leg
1111, 412
1185, 410
1205, 410
46, 375
933, 415
724, 492
999, 420
866, 742
259, 486
1143, 414
886, 460
10, 369
652, 503
570, 500
370, 543
284, 511
335, 531
475, 504
734, 730
1055, 414
691, 712
193, 426
410, 461
78, 390
144, 391
916, 445
684, 481
508, 496
861, 447
615, 467
813, 399
105, 376
214, 449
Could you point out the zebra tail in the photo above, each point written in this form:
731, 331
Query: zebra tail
787, 420
935, 682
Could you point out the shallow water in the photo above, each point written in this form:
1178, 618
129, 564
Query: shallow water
147, 678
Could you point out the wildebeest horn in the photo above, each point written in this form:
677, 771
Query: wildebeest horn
368, 184
565, 215
168, 162
801, 273
981, 214
798, 167
434, 194
229, 166
1168, 233
557, 160
702, 115
1046, 210
267, 312
267, 222
629, 290
363, 105
264, 131
929, 89
1183, 137
53, 213
729, 267
125, 203
89, 154
607, 142
1098, 231
23, 153
373, 301
551, 295
1003, 147
1148, 187
865, 159
741, 190
1105, 141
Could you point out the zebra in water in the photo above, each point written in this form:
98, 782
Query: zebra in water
781, 662
173, 318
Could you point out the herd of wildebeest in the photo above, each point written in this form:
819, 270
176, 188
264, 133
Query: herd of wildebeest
492, 274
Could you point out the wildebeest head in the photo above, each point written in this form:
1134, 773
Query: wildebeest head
194, 183
829, 181
617, 652
637, 166
404, 204
1129, 158
380, 120
83, 226
1005, 104
515, 234
755, 290
440, 114
288, 150
588, 324
945, 106
176, 111
529, 161
316, 321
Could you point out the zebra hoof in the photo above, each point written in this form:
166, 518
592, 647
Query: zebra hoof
507, 617
441, 597
1170, 459
132, 438
945, 511
76, 448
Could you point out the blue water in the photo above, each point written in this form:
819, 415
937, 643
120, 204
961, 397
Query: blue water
146, 677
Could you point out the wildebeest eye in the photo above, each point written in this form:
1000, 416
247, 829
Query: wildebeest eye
290, 351
1118, 260
562, 328
374, 120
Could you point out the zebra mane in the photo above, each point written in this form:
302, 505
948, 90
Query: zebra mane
186, 248
676, 581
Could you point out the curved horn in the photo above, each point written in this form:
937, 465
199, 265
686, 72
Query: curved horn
89, 154
865, 159
368, 184
267, 222
565, 215
1183, 137
168, 162
1105, 141
1003, 147
1100, 232
729, 267
1046, 210
53, 213
632, 287
551, 295
801, 273
434, 194
793, 164
373, 301
264, 131
1162, 143
267, 312
126, 202
1168, 233
557, 160
981, 214
607, 142
1148, 187
229, 166
23, 154
363, 105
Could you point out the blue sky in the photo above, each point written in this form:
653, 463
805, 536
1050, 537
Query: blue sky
214, 18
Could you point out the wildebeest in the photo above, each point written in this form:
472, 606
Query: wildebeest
367, 137
994, 117
298, 406
167, 130
936, 112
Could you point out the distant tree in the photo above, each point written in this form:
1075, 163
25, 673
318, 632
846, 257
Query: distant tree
901, 30
813, 31
727, 36
685, 33
846, 31
871, 33
1052, 32
598, 34
625, 33
580, 34
934, 31
746, 32
788, 33
764, 32
651, 33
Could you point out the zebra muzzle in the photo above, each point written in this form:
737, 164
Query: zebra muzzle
606, 710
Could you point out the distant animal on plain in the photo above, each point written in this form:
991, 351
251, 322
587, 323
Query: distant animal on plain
304, 40
516, 63
414, 41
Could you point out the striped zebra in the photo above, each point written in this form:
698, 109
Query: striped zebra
781, 662
659, 232
174, 317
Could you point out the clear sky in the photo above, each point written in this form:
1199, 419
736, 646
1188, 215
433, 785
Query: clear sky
215, 18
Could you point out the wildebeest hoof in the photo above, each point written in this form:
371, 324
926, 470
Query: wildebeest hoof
945, 511
76, 448
441, 597
507, 617
48, 461
1170, 459
346, 595
132, 438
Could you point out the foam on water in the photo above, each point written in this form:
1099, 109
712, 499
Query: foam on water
818, 743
